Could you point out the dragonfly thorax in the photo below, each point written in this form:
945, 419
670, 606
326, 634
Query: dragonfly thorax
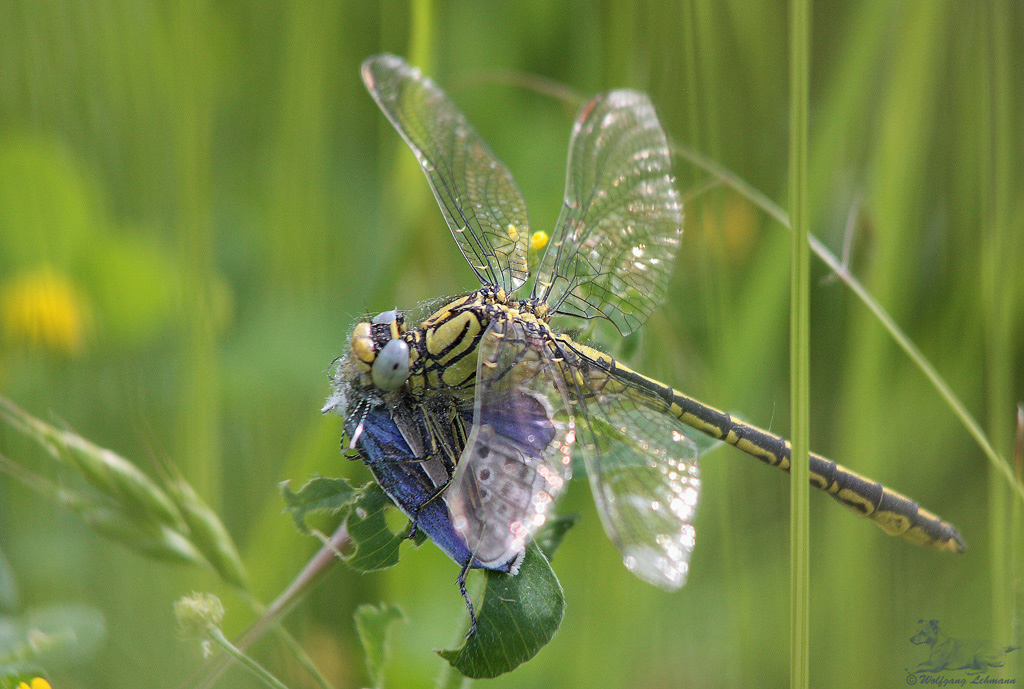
440, 354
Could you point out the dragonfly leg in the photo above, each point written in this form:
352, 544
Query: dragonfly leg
465, 596
414, 529
414, 513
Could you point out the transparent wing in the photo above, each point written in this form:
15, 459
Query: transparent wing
642, 466
612, 249
478, 197
517, 458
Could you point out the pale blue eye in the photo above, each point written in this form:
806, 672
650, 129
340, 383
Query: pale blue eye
391, 366
385, 317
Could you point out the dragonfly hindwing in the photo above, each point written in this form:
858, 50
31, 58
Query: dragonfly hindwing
517, 458
642, 465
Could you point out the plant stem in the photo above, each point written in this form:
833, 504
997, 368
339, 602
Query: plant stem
247, 662
799, 354
310, 574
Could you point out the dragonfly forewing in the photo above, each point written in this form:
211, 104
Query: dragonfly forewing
477, 195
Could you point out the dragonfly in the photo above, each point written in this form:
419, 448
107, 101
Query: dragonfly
469, 419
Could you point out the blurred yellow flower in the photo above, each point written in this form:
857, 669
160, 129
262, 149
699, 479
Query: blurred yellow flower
731, 227
44, 308
37, 683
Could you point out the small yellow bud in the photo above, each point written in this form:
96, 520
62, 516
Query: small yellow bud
539, 240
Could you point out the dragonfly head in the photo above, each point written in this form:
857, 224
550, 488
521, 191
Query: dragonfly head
379, 349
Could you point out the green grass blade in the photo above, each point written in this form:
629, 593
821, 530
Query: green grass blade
799, 348
199, 445
1000, 264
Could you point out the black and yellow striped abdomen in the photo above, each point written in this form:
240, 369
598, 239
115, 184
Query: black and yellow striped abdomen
895, 513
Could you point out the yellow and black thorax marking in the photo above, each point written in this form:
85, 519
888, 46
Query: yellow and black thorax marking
443, 350
446, 343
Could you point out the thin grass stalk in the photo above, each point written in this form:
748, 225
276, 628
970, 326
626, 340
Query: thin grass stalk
421, 45
449, 677
297, 170
703, 70
1017, 548
403, 178
273, 614
422, 53
799, 354
997, 264
199, 448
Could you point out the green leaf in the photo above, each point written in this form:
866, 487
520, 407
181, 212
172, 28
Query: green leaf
373, 545
320, 494
519, 615
550, 537
372, 623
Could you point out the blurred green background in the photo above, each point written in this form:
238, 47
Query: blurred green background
197, 200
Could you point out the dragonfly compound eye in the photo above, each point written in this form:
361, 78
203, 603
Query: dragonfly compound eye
393, 319
362, 346
385, 316
391, 366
